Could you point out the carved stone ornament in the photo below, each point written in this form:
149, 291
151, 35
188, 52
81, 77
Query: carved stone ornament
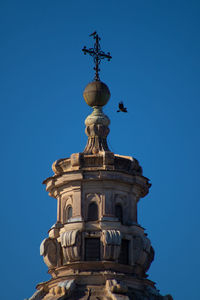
111, 241
143, 253
64, 288
116, 287
71, 242
93, 197
97, 131
50, 250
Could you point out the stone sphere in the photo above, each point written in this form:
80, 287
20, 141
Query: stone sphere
96, 93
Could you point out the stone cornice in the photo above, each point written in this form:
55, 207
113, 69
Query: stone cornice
102, 161
140, 183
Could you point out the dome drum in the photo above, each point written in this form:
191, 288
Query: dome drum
92, 250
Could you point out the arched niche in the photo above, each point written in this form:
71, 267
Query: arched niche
93, 212
67, 208
119, 212
121, 207
68, 213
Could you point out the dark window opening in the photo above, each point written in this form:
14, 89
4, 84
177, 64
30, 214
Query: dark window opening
119, 212
93, 212
68, 213
124, 252
92, 249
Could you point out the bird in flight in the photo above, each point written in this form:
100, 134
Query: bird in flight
121, 107
92, 34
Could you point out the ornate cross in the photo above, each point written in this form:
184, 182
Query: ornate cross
97, 54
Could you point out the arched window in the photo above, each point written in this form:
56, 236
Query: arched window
119, 212
93, 212
68, 213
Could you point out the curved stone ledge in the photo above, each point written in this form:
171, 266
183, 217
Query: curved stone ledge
55, 184
101, 161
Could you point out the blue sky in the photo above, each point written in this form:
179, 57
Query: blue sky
155, 70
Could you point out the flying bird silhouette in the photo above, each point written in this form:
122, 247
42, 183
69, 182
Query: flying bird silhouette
94, 33
121, 107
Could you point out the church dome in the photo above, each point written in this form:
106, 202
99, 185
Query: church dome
96, 93
96, 249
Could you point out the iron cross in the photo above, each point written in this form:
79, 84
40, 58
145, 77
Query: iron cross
97, 54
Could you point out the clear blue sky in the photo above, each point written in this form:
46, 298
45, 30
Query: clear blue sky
155, 70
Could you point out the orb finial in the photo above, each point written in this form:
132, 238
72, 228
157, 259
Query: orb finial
96, 93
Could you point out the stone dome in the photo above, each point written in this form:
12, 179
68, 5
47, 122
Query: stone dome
96, 93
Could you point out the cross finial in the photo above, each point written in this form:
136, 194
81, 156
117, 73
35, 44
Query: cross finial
97, 54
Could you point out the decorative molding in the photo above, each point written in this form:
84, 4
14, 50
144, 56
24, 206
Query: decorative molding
117, 287
143, 253
63, 288
111, 244
50, 250
71, 244
122, 199
96, 197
